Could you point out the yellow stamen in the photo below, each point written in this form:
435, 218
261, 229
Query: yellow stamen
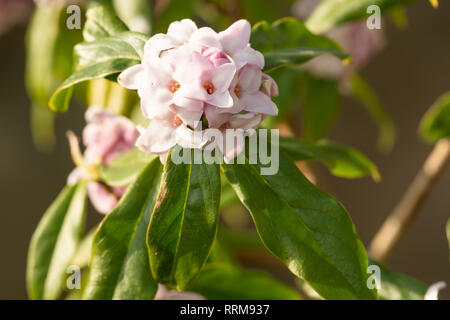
173, 86
434, 3
176, 121
209, 87
237, 91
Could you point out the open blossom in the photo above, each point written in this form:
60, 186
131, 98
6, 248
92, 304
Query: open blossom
194, 76
105, 136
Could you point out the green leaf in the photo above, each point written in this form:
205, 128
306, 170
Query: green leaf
304, 227
288, 42
60, 99
54, 243
100, 59
331, 13
289, 83
435, 124
321, 103
396, 286
342, 161
364, 93
184, 222
47, 41
226, 282
119, 266
83, 254
125, 168
125, 46
102, 22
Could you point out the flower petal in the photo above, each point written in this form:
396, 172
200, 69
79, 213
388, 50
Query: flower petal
215, 117
258, 102
182, 30
246, 121
205, 37
158, 137
77, 175
222, 76
236, 37
190, 97
133, 77
250, 78
233, 144
102, 200
189, 117
248, 56
269, 86
154, 99
188, 138
156, 44
221, 99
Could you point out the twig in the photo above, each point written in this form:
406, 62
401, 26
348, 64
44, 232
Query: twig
406, 210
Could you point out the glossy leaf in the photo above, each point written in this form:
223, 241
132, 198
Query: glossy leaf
60, 99
49, 51
126, 45
184, 222
435, 123
226, 282
396, 286
331, 13
54, 243
102, 22
123, 170
304, 227
119, 267
320, 103
343, 161
83, 254
288, 42
365, 95
289, 83
100, 59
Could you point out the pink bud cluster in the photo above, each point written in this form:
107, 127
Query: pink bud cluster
106, 136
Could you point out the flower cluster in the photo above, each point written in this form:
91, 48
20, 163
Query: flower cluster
105, 136
192, 77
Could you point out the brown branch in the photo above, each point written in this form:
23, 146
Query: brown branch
407, 209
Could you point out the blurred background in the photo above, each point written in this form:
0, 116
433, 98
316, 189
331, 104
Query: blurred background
408, 75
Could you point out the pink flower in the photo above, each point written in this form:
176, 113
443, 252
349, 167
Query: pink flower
165, 131
234, 41
163, 83
191, 76
105, 136
230, 136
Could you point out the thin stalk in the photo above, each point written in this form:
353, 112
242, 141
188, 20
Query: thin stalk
397, 223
